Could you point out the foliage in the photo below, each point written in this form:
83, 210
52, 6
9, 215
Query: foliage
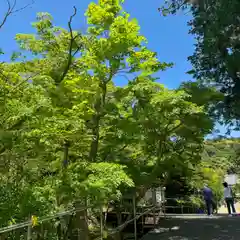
217, 52
218, 158
215, 25
202, 95
223, 154
70, 136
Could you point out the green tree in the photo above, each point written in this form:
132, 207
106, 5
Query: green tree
75, 91
216, 57
222, 154
73, 137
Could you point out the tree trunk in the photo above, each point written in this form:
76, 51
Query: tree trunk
95, 139
65, 156
99, 108
118, 235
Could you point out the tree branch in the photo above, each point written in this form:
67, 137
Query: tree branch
12, 9
71, 54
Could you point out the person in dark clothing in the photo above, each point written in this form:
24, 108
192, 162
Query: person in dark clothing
208, 197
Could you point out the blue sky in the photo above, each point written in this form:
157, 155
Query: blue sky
168, 36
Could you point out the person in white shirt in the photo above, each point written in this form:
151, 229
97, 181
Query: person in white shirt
229, 199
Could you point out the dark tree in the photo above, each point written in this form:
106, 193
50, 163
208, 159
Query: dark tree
216, 59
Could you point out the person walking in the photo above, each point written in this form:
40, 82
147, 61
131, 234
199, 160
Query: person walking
208, 197
229, 199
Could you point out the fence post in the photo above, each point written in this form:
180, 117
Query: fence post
81, 219
101, 223
163, 201
29, 232
134, 215
154, 205
143, 219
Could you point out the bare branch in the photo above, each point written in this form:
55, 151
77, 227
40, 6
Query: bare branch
12, 9
71, 54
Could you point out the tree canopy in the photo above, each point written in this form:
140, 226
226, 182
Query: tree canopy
215, 26
70, 136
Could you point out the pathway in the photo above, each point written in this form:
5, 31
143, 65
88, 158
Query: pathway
196, 227
223, 209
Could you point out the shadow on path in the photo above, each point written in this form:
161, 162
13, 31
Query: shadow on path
196, 228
